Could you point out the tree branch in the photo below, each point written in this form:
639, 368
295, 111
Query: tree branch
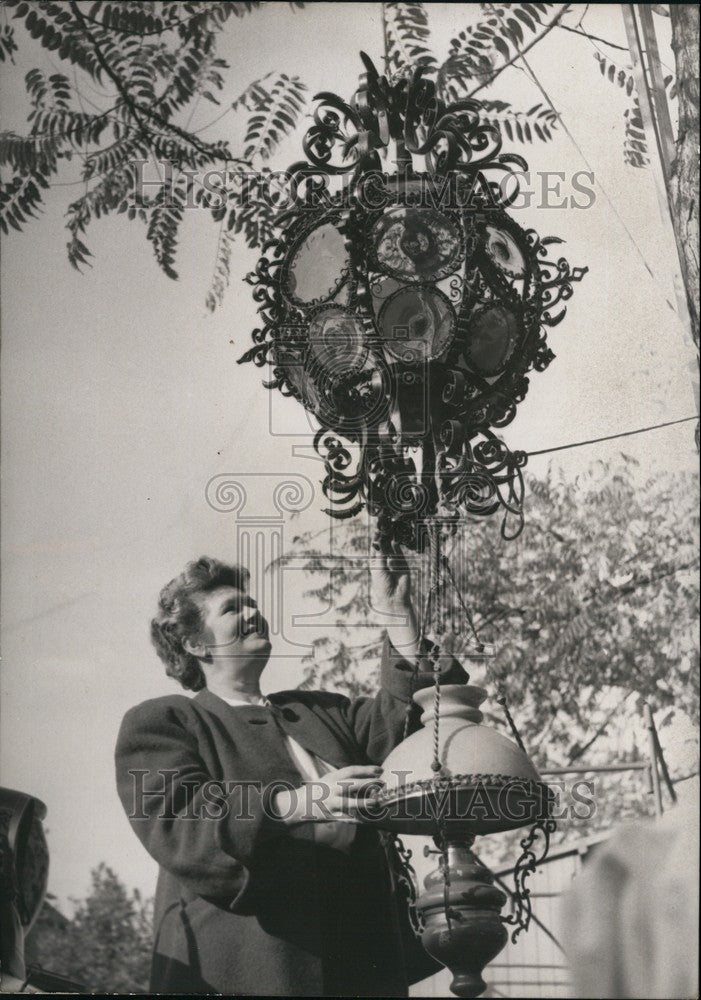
170, 26
139, 111
576, 751
593, 38
654, 577
553, 24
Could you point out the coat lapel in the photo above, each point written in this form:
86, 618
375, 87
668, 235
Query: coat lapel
315, 734
252, 727
292, 718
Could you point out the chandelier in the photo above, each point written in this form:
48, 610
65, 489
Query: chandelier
405, 311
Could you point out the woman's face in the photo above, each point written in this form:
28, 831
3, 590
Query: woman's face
232, 625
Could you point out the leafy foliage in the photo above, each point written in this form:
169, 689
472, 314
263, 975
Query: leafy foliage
635, 143
161, 58
614, 74
635, 150
8, 45
593, 609
498, 34
538, 121
407, 35
106, 946
276, 111
148, 66
500, 27
222, 271
166, 212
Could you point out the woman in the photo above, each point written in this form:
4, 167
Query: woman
266, 884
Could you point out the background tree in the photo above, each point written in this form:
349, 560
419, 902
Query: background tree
106, 945
139, 73
685, 174
592, 610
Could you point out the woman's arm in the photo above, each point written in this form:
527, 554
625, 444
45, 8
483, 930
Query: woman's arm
206, 833
391, 595
379, 722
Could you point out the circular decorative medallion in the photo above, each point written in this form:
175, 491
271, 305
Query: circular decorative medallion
416, 244
316, 266
336, 339
493, 335
354, 400
504, 251
416, 324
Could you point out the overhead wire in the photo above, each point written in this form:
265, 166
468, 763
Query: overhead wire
609, 437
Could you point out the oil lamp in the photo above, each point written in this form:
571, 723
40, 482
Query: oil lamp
427, 790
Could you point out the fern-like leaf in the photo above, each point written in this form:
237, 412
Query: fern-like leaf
537, 122
635, 151
623, 77
20, 200
252, 209
635, 148
500, 30
254, 96
276, 117
222, 270
165, 218
8, 45
407, 36
30, 154
109, 193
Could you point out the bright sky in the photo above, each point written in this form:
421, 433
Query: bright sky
122, 399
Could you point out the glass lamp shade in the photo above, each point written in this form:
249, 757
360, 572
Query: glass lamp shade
504, 251
416, 324
336, 339
416, 244
493, 335
486, 783
316, 266
351, 398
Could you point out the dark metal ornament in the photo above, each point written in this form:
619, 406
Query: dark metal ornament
406, 311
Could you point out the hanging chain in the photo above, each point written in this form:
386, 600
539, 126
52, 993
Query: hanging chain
414, 675
501, 700
436, 565
498, 685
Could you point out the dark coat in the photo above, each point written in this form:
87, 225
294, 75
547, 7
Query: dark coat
244, 903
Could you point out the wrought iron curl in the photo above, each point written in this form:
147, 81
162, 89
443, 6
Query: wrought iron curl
406, 876
526, 865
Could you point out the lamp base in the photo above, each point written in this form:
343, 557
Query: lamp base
462, 926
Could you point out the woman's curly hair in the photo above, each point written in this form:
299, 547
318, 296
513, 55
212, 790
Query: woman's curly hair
179, 615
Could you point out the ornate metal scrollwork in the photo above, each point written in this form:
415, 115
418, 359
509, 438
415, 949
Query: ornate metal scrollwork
406, 311
406, 876
526, 865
